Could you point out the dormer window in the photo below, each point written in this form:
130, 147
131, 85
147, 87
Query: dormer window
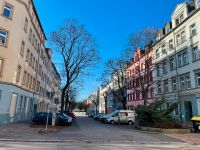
181, 18
177, 22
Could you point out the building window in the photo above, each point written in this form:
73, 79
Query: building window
159, 87
183, 59
181, 17
26, 25
7, 11
197, 75
33, 39
18, 73
193, 30
20, 103
178, 39
158, 70
166, 86
1, 66
171, 46
180, 61
183, 37
27, 55
185, 82
157, 53
30, 35
196, 52
22, 49
24, 78
164, 50
172, 63
164, 67
174, 84
177, 21
27, 80
3, 37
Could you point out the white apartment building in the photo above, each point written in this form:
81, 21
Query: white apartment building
177, 61
27, 83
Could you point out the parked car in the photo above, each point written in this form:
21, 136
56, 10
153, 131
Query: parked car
71, 114
97, 117
41, 118
121, 116
63, 119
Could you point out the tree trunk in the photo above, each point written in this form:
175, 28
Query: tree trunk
63, 98
124, 103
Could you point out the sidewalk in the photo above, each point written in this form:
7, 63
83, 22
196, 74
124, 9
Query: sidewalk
192, 138
26, 131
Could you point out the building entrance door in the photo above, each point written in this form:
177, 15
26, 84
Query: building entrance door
188, 110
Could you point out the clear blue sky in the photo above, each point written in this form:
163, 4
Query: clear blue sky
109, 21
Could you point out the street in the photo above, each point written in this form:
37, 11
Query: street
87, 133
83, 129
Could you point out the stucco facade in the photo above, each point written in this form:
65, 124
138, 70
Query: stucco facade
27, 76
177, 61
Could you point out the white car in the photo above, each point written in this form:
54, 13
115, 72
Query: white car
121, 116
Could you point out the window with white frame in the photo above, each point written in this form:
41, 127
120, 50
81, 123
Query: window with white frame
158, 69
180, 61
30, 35
7, 11
172, 63
183, 37
166, 86
22, 49
26, 25
193, 30
185, 58
196, 52
164, 50
18, 73
181, 17
159, 87
164, 64
178, 39
1, 66
3, 37
171, 46
197, 75
185, 82
157, 53
174, 84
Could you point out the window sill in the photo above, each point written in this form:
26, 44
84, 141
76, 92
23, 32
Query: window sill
10, 18
195, 60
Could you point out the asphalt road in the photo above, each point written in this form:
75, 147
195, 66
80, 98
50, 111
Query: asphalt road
87, 134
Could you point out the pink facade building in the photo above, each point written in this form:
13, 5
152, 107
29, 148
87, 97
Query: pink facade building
140, 79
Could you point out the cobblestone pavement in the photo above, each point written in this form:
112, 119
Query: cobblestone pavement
84, 129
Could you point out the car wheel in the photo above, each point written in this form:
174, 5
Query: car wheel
112, 122
130, 122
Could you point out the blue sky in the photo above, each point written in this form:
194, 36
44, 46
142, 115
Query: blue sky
109, 21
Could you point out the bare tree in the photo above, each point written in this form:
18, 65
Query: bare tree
76, 50
115, 72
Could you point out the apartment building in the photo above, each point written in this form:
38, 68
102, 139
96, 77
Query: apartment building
26, 79
140, 78
177, 61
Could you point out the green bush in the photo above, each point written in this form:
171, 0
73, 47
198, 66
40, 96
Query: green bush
155, 115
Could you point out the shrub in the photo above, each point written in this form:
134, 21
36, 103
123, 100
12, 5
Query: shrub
154, 115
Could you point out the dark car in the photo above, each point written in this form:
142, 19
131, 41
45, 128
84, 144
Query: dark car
71, 114
41, 118
63, 119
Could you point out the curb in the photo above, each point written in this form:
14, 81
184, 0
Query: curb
83, 141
